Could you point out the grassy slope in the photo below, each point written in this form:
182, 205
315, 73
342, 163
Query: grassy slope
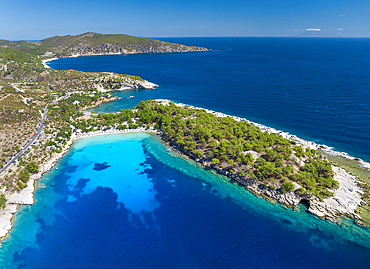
17, 56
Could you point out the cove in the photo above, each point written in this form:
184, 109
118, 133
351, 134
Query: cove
142, 207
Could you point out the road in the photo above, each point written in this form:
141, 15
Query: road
34, 138
28, 144
16, 88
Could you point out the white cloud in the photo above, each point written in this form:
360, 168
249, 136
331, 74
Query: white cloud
313, 30
342, 15
340, 29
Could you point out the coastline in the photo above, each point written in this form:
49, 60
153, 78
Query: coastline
349, 193
309, 144
44, 62
26, 196
345, 201
144, 83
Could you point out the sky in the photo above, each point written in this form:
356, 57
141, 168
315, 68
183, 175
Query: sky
39, 19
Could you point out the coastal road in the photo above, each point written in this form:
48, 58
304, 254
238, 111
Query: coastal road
28, 144
34, 137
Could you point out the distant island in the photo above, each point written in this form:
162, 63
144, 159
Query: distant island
262, 160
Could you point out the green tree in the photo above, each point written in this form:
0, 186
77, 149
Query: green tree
32, 167
287, 187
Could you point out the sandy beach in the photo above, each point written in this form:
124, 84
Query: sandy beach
46, 61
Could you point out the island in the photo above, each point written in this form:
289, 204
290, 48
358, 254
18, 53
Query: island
42, 113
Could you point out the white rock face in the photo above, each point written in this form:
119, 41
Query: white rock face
148, 85
25, 196
5, 219
345, 200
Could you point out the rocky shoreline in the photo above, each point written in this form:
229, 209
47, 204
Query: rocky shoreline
25, 196
347, 198
100, 101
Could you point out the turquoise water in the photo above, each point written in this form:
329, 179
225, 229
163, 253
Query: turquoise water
122, 201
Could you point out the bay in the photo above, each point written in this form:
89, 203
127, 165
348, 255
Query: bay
122, 201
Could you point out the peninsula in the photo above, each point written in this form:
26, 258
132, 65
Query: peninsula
263, 161
96, 44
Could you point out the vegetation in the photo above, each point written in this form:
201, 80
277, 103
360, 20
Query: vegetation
25, 88
18, 56
235, 147
24, 175
2, 201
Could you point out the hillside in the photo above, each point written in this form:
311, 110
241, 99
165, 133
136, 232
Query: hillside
93, 43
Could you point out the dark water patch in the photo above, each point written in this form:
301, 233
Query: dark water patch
285, 221
100, 166
69, 168
82, 183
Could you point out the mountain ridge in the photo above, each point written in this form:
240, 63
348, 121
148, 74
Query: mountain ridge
90, 43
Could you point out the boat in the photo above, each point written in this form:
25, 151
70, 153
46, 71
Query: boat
56, 168
131, 97
168, 150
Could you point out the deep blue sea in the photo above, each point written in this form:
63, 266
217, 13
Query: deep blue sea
315, 88
122, 201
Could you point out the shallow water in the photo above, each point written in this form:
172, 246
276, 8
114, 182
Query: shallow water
152, 209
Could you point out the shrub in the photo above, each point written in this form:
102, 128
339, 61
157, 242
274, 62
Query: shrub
24, 175
287, 187
2, 201
32, 167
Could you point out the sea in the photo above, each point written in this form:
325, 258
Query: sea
123, 201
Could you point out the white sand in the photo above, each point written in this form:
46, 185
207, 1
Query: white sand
48, 60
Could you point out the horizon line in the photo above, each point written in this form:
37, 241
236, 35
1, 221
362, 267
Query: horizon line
152, 37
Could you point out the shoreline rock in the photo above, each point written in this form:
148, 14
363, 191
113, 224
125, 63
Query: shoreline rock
346, 199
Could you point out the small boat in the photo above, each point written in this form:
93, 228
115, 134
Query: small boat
131, 97
168, 150
56, 168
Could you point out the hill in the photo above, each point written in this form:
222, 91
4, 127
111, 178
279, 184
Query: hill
94, 43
